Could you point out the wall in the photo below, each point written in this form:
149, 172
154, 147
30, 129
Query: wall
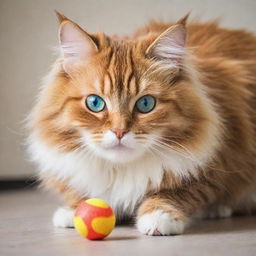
28, 31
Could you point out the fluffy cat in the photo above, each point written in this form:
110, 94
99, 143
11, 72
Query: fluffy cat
160, 124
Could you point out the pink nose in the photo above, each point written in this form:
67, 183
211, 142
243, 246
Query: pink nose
119, 133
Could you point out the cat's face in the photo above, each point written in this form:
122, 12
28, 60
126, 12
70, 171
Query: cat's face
122, 112
120, 100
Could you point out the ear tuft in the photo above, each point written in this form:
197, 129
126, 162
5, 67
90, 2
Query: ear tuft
183, 21
170, 45
60, 16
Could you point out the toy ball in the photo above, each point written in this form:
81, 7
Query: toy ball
94, 219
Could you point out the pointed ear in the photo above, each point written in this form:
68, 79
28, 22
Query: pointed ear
76, 45
60, 16
170, 45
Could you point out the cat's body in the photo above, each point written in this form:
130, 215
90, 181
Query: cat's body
193, 153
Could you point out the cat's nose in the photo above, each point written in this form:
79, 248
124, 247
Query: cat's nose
119, 133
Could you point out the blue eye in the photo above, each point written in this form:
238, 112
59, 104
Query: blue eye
95, 103
145, 104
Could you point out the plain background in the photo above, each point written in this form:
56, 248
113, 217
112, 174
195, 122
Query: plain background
28, 33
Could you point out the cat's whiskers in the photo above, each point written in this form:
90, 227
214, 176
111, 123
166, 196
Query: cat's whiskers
168, 148
96, 138
180, 145
158, 152
85, 150
210, 166
159, 140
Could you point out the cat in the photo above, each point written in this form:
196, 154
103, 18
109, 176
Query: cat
161, 123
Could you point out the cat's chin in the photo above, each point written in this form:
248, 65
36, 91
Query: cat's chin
118, 154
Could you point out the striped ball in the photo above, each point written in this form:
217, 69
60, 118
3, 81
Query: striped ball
94, 219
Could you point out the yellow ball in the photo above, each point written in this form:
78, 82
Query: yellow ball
94, 219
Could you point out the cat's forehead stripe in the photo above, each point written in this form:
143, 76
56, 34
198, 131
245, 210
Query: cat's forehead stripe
143, 85
127, 80
107, 86
110, 57
133, 86
132, 83
120, 74
98, 85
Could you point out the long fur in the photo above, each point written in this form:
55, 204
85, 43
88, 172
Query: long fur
194, 150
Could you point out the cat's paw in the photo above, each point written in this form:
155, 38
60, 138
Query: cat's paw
159, 223
219, 212
63, 218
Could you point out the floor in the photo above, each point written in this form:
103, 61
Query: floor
26, 229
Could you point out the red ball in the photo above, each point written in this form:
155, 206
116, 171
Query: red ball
94, 219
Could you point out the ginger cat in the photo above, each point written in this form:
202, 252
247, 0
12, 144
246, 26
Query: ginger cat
161, 124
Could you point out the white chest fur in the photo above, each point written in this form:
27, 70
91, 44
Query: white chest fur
122, 186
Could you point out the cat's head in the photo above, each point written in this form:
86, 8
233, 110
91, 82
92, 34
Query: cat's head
121, 99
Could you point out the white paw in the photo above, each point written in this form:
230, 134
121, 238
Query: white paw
159, 223
63, 218
220, 212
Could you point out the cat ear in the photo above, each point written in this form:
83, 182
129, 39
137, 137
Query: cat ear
170, 45
76, 45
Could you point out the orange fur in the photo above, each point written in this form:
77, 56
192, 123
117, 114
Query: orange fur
223, 61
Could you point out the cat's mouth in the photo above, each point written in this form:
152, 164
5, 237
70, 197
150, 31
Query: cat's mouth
120, 146
118, 151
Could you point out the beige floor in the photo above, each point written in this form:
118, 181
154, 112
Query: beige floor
25, 229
